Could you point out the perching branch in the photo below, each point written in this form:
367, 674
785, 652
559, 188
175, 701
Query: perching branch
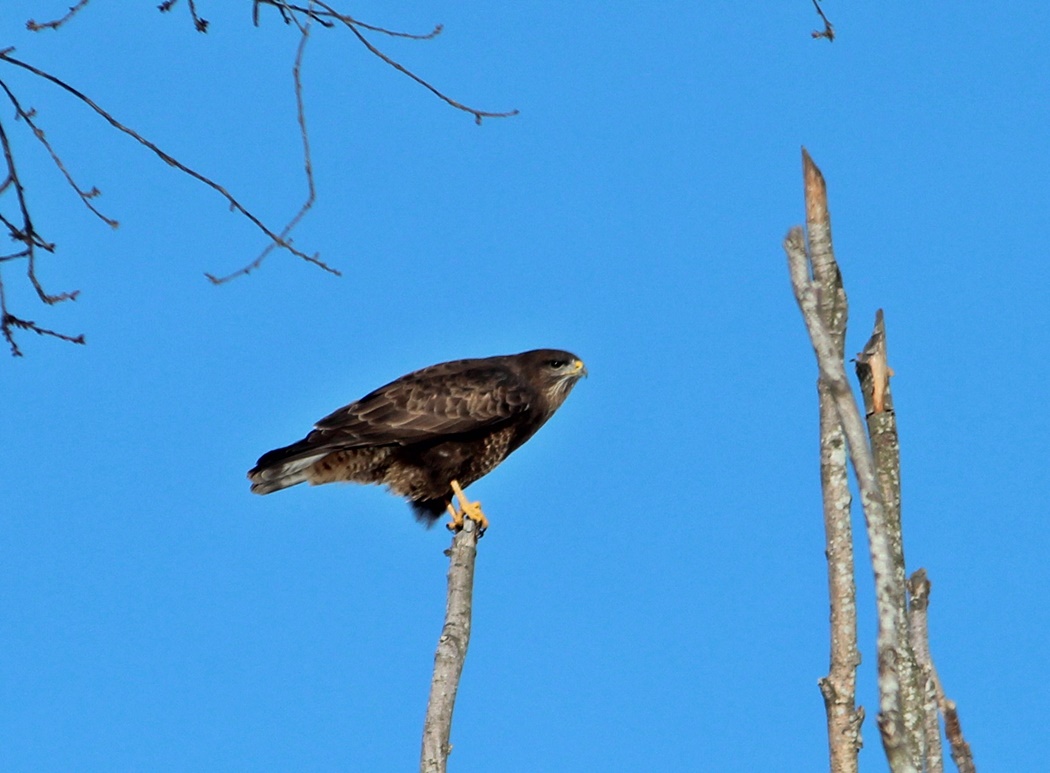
839, 687
889, 593
451, 650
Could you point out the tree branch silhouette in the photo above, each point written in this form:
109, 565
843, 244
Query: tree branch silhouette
828, 31
301, 16
307, 166
56, 23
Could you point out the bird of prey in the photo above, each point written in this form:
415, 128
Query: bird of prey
432, 433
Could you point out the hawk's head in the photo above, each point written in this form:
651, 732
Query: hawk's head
553, 372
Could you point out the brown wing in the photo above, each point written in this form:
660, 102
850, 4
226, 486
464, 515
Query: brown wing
448, 399
453, 398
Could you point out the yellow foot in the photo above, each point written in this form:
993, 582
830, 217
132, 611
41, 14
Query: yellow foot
457, 519
467, 509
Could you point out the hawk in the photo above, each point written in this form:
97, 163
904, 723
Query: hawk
432, 433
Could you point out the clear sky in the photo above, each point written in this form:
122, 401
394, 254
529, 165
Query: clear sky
652, 592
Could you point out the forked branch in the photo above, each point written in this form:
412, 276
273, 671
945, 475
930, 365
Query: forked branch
328, 16
889, 591
302, 16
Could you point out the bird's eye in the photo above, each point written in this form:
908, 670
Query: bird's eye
557, 364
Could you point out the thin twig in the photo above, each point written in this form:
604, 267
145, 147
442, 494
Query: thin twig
170, 160
451, 650
85, 196
323, 18
828, 31
355, 26
27, 234
33, 26
307, 164
200, 24
9, 321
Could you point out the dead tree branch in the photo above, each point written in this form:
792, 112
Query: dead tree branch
167, 158
302, 16
328, 15
839, 687
889, 593
451, 650
918, 633
873, 373
918, 617
55, 24
85, 195
31, 241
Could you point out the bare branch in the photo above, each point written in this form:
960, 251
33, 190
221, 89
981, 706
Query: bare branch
919, 636
828, 31
8, 321
873, 373
27, 233
301, 14
307, 164
889, 592
168, 159
33, 26
451, 650
356, 26
85, 195
839, 687
919, 591
200, 24
324, 17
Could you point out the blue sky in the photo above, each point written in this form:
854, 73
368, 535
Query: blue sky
652, 592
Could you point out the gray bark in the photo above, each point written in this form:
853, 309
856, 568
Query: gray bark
451, 650
839, 687
889, 592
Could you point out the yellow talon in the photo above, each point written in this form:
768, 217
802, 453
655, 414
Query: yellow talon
457, 519
467, 509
